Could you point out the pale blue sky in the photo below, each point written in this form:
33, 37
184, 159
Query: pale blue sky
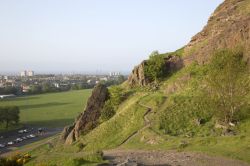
94, 35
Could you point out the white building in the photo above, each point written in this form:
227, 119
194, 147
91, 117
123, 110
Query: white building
30, 73
26, 73
23, 73
114, 74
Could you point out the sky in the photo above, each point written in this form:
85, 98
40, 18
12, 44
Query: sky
93, 36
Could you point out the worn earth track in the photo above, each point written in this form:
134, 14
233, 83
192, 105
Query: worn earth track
166, 158
146, 124
122, 157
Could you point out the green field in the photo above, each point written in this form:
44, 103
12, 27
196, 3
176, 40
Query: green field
50, 110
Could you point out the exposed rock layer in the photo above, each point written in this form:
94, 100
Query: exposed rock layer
228, 27
138, 77
87, 120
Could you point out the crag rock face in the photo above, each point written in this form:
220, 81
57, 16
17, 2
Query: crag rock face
138, 77
87, 120
228, 27
173, 63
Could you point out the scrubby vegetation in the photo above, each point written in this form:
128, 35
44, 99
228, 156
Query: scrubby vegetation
228, 83
217, 93
117, 96
15, 160
191, 117
9, 115
155, 67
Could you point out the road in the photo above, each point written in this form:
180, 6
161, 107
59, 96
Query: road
13, 135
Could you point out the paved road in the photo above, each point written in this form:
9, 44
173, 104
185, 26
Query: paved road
13, 135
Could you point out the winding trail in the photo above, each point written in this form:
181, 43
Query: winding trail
146, 124
122, 157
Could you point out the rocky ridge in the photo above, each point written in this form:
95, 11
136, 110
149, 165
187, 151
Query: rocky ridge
228, 27
87, 120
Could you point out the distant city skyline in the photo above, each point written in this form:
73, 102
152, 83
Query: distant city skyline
94, 36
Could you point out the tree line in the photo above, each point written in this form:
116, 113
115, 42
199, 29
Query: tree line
9, 115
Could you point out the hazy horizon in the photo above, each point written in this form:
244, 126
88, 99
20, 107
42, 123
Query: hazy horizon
94, 36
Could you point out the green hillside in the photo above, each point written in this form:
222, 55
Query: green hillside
194, 99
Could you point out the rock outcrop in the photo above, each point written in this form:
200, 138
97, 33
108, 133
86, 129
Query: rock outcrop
87, 120
228, 27
173, 63
138, 77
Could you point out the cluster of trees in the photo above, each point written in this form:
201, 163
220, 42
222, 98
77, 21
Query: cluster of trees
155, 68
10, 90
9, 114
46, 88
117, 96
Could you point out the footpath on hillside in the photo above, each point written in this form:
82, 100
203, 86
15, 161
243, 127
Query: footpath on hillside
165, 158
146, 125
122, 157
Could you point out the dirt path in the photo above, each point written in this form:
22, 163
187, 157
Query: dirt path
121, 157
166, 158
146, 125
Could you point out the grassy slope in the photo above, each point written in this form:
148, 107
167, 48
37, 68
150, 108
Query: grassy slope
53, 109
129, 118
237, 147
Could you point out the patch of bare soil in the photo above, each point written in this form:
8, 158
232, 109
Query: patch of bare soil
166, 158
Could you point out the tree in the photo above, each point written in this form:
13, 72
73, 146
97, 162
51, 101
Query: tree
108, 111
228, 83
9, 114
155, 67
117, 95
35, 89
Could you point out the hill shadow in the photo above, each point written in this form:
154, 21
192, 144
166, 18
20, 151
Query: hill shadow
21, 98
51, 123
50, 104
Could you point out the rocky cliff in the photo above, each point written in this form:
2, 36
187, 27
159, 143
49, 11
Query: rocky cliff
228, 27
138, 77
87, 120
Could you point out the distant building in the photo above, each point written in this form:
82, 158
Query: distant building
6, 77
30, 73
23, 73
26, 73
57, 85
104, 79
114, 74
25, 89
